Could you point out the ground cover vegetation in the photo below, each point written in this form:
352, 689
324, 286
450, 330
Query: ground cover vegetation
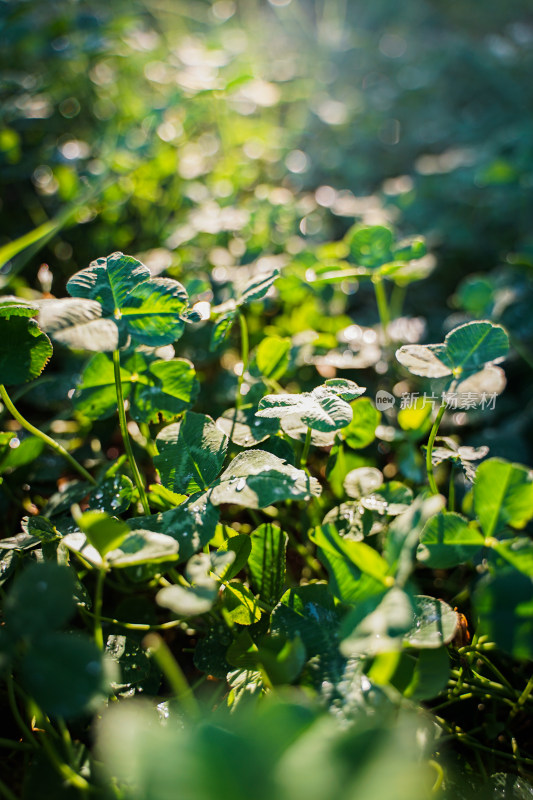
265, 383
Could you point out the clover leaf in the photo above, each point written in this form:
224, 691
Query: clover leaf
469, 349
116, 298
24, 348
324, 409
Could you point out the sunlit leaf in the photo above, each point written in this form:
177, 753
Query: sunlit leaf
191, 453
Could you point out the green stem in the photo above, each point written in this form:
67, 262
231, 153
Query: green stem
173, 673
383, 308
98, 602
522, 699
429, 451
64, 769
451, 490
125, 435
305, 450
245, 356
16, 713
58, 448
134, 626
11, 744
396, 301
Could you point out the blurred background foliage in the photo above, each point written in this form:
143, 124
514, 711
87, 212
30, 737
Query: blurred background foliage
213, 139
212, 132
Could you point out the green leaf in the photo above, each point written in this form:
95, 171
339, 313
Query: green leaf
362, 481
323, 409
272, 357
191, 524
404, 533
517, 552
113, 495
391, 498
171, 388
362, 428
377, 625
64, 674
448, 540
351, 520
308, 612
257, 287
240, 546
434, 623
370, 246
103, 532
475, 344
246, 429
188, 601
267, 561
149, 309
108, 280
41, 599
78, 324
134, 665
241, 604
153, 310
503, 495
156, 390
137, 548
356, 570
24, 349
96, 395
466, 351
28, 449
191, 453
504, 605
257, 479
449, 450
429, 673
221, 330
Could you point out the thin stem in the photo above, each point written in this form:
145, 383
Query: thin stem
451, 490
429, 451
305, 450
173, 673
125, 435
383, 308
11, 744
64, 769
58, 448
135, 626
16, 713
396, 301
522, 699
245, 356
98, 602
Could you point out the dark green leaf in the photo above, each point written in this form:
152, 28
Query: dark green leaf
267, 561
356, 570
503, 495
448, 540
64, 674
246, 429
41, 599
434, 623
24, 349
257, 479
191, 453
362, 428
